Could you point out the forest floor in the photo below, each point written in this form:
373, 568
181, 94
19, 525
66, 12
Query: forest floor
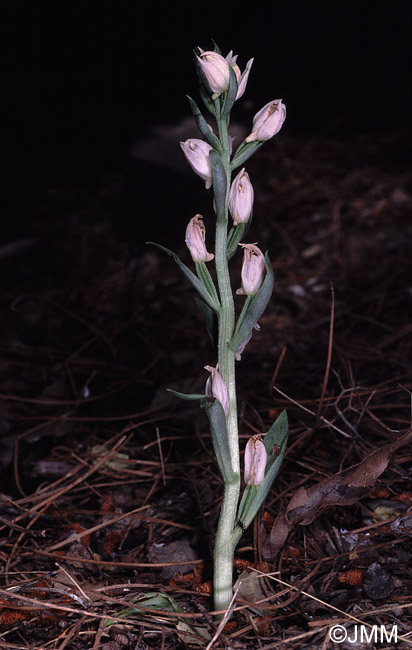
109, 490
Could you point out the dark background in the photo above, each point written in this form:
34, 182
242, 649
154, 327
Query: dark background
83, 81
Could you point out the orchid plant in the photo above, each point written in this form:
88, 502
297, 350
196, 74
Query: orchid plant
221, 84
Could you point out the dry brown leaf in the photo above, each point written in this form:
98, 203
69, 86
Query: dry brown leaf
343, 489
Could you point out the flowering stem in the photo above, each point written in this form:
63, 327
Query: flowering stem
221, 83
224, 546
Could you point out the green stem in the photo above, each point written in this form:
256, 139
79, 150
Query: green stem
224, 546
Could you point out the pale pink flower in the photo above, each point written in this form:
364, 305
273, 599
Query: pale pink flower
239, 351
253, 270
216, 387
216, 70
255, 461
195, 240
197, 155
241, 198
241, 77
268, 121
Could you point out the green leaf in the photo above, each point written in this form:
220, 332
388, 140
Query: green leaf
218, 430
244, 152
230, 96
151, 600
235, 235
216, 47
207, 280
206, 99
192, 397
210, 319
276, 438
254, 309
198, 285
275, 442
219, 183
203, 126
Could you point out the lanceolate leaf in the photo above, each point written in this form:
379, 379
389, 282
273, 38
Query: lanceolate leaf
203, 126
219, 184
190, 276
207, 280
244, 152
210, 319
190, 397
218, 429
230, 96
275, 444
235, 235
256, 308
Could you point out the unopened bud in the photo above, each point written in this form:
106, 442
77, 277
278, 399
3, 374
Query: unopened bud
268, 121
197, 155
253, 270
216, 387
255, 461
216, 71
241, 77
195, 240
239, 351
241, 198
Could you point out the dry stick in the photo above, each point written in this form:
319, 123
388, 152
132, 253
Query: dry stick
68, 635
322, 602
277, 368
99, 632
115, 563
83, 593
16, 467
77, 536
41, 605
329, 358
78, 480
161, 456
323, 419
227, 615
43, 505
70, 314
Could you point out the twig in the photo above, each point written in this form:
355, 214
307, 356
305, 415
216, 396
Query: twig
329, 357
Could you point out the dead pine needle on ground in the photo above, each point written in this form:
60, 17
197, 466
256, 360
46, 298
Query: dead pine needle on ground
110, 493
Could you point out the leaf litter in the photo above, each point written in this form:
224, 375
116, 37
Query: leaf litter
100, 468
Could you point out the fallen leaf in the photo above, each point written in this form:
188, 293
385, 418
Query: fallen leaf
250, 588
342, 489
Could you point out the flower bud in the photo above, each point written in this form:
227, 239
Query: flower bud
268, 121
216, 70
216, 387
197, 155
239, 351
195, 240
253, 270
255, 461
241, 77
241, 198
